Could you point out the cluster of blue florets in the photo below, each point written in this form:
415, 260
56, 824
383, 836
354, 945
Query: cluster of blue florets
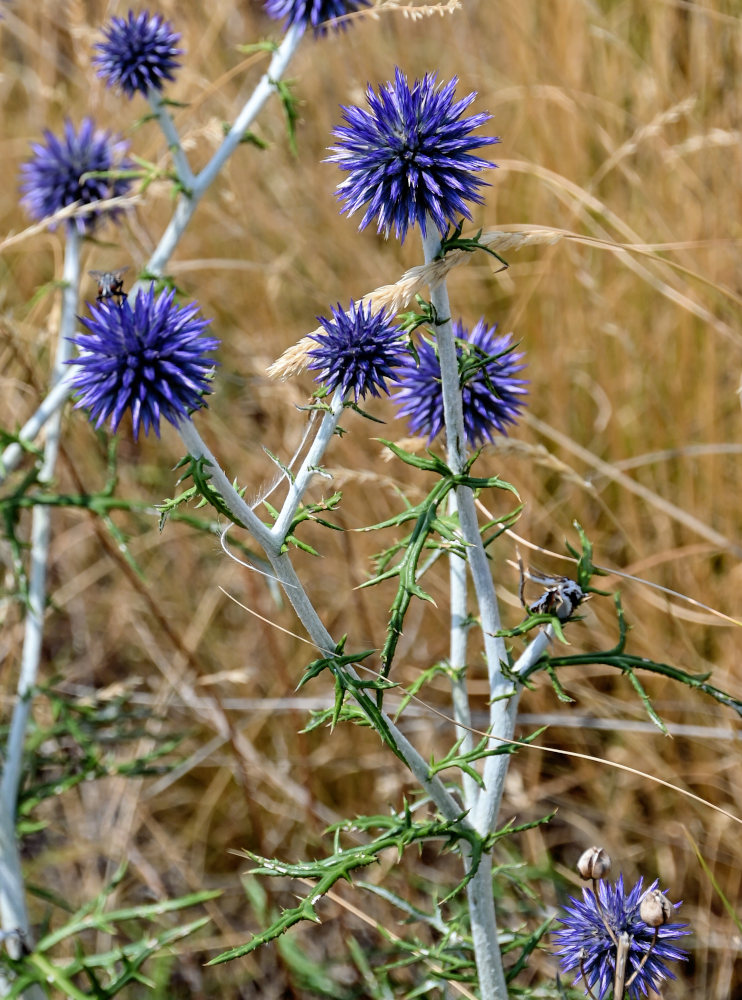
409, 161
590, 927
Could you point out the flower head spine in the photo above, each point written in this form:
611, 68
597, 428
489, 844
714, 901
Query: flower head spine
312, 12
139, 53
409, 156
72, 169
491, 393
586, 944
358, 350
151, 359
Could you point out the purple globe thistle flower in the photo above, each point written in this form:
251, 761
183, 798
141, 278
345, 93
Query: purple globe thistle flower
57, 173
139, 53
314, 12
151, 359
584, 942
491, 394
408, 156
358, 350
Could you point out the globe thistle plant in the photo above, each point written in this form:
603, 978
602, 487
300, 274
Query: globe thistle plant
357, 351
151, 359
409, 156
312, 12
591, 928
492, 395
139, 53
71, 169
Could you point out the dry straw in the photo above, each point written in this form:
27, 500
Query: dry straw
396, 296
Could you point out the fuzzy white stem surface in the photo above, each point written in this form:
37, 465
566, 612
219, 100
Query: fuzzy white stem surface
487, 953
13, 910
166, 123
187, 204
489, 615
182, 214
295, 592
308, 468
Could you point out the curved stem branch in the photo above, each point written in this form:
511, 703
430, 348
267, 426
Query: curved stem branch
182, 166
308, 468
292, 586
187, 204
182, 214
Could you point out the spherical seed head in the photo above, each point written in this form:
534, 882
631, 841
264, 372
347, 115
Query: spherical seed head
139, 53
656, 909
584, 942
57, 173
358, 351
594, 863
151, 359
409, 156
312, 12
492, 396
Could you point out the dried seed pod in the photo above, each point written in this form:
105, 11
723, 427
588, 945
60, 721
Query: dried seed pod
594, 863
655, 909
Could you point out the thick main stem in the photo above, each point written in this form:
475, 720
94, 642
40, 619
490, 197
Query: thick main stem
479, 890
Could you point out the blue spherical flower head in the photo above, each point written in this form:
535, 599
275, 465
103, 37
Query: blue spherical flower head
151, 359
409, 156
139, 54
583, 939
59, 173
358, 351
491, 394
312, 12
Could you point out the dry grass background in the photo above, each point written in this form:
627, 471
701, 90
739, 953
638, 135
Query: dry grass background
620, 121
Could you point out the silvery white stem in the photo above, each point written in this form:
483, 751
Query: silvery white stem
434, 787
489, 614
294, 590
187, 204
308, 468
487, 953
492, 984
53, 400
241, 510
12, 901
184, 209
457, 662
495, 768
182, 166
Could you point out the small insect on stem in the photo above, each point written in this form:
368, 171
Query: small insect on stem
561, 596
110, 284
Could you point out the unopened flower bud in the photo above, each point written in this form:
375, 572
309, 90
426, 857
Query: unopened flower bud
594, 863
655, 909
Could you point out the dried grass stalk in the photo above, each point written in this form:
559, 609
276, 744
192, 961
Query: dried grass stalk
396, 296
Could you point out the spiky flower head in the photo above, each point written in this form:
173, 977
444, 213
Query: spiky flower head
358, 350
139, 54
491, 395
151, 359
409, 156
584, 940
63, 171
312, 12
